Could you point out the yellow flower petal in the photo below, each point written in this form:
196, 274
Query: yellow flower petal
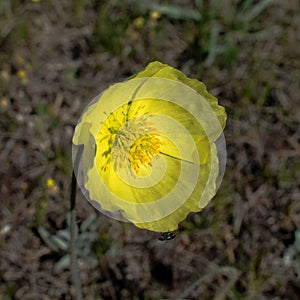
157, 69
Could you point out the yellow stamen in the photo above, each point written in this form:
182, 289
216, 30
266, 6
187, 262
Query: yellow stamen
143, 150
133, 145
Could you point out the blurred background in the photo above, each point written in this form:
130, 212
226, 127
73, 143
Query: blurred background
56, 55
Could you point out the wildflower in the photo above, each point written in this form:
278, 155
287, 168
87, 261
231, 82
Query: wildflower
149, 152
50, 182
155, 15
138, 22
51, 185
22, 76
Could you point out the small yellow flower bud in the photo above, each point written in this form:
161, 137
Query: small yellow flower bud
155, 15
21, 74
50, 182
51, 185
138, 23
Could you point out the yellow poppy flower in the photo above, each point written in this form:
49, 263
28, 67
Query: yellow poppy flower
149, 152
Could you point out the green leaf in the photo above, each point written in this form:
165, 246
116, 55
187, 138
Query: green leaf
46, 237
87, 223
64, 233
61, 243
63, 263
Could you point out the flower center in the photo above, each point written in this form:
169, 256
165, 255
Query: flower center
142, 151
135, 145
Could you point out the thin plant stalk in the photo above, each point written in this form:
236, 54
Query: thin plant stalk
74, 231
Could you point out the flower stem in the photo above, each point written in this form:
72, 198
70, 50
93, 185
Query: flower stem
73, 229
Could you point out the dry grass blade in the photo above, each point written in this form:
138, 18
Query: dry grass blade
230, 272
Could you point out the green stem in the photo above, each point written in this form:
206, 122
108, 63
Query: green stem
73, 229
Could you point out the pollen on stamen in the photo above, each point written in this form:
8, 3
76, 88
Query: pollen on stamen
143, 151
129, 144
